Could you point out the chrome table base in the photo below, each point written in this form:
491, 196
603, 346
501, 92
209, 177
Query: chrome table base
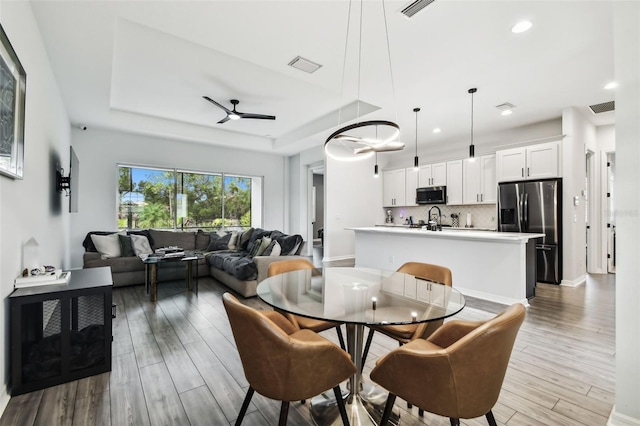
364, 407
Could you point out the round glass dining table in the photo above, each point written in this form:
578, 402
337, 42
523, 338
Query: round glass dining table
358, 297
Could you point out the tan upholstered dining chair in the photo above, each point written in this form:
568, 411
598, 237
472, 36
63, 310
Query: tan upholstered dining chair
457, 372
285, 364
407, 332
282, 266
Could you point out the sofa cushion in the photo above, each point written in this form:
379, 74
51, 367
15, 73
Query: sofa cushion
107, 245
140, 245
274, 249
258, 233
126, 249
144, 232
233, 241
243, 239
264, 243
202, 239
185, 240
237, 264
290, 244
218, 243
88, 242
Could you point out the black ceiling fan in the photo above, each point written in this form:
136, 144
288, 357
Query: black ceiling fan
236, 115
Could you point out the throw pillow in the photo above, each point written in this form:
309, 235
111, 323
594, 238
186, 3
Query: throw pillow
233, 242
202, 239
274, 249
140, 244
290, 243
243, 239
126, 249
88, 242
263, 245
107, 245
218, 243
144, 232
255, 247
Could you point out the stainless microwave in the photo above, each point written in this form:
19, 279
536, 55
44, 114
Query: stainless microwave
431, 195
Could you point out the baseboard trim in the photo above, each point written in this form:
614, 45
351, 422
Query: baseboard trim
574, 283
337, 258
617, 419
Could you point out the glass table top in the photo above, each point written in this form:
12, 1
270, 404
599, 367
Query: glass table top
360, 296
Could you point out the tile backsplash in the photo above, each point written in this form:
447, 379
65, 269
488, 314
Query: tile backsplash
482, 216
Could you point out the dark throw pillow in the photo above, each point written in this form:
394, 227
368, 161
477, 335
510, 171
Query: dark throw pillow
219, 243
126, 249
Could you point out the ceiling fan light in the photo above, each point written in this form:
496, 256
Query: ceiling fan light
234, 117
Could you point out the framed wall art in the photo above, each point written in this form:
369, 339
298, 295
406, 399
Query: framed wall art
12, 96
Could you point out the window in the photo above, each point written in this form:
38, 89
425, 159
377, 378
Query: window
178, 199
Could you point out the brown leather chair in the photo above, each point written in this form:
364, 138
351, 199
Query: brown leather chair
285, 364
407, 332
457, 372
282, 266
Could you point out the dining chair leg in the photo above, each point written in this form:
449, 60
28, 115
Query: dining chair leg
391, 399
366, 348
454, 422
284, 412
420, 412
245, 405
491, 419
340, 338
343, 410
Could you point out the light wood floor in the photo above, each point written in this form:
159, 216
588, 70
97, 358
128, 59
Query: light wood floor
175, 363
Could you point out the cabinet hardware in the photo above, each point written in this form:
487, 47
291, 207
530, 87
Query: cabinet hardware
477, 198
522, 171
528, 172
113, 310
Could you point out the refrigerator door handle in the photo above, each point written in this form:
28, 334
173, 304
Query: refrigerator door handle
521, 203
526, 212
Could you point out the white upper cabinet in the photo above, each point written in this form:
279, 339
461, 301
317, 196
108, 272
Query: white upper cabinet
432, 175
479, 180
394, 188
411, 184
454, 182
529, 162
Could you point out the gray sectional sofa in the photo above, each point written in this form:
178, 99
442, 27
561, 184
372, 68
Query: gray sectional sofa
239, 260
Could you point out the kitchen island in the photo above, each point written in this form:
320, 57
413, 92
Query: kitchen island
496, 266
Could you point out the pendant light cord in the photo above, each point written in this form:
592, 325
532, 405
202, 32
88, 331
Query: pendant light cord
344, 64
386, 32
472, 116
416, 110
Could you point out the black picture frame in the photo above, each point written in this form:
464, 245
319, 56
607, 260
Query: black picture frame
13, 81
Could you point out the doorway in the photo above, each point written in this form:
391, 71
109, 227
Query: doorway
316, 215
611, 217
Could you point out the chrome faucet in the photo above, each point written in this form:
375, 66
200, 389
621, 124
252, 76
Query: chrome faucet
435, 225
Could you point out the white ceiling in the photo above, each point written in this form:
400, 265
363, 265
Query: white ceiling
144, 66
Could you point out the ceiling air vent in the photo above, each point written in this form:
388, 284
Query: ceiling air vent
304, 64
603, 107
415, 7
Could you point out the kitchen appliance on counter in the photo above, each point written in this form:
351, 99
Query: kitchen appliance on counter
431, 195
535, 206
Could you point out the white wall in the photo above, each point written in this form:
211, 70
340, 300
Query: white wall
31, 207
578, 134
353, 198
99, 151
627, 74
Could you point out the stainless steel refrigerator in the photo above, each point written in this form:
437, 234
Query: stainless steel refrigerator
535, 206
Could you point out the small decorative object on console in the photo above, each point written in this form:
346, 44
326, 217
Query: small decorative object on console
171, 251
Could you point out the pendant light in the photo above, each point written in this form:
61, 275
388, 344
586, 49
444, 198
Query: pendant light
353, 142
472, 148
375, 168
415, 159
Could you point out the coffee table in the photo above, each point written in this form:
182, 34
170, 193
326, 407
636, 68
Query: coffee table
359, 297
151, 271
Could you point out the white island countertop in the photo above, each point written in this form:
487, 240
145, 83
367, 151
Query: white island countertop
452, 233
497, 266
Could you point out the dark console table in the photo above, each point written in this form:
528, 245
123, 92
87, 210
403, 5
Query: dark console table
61, 332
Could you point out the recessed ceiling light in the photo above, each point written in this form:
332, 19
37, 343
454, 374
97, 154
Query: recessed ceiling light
521, 27
611, 85
506, 108
437, 130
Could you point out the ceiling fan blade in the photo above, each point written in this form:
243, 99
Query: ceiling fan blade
224, 108
224, 120
258, 116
